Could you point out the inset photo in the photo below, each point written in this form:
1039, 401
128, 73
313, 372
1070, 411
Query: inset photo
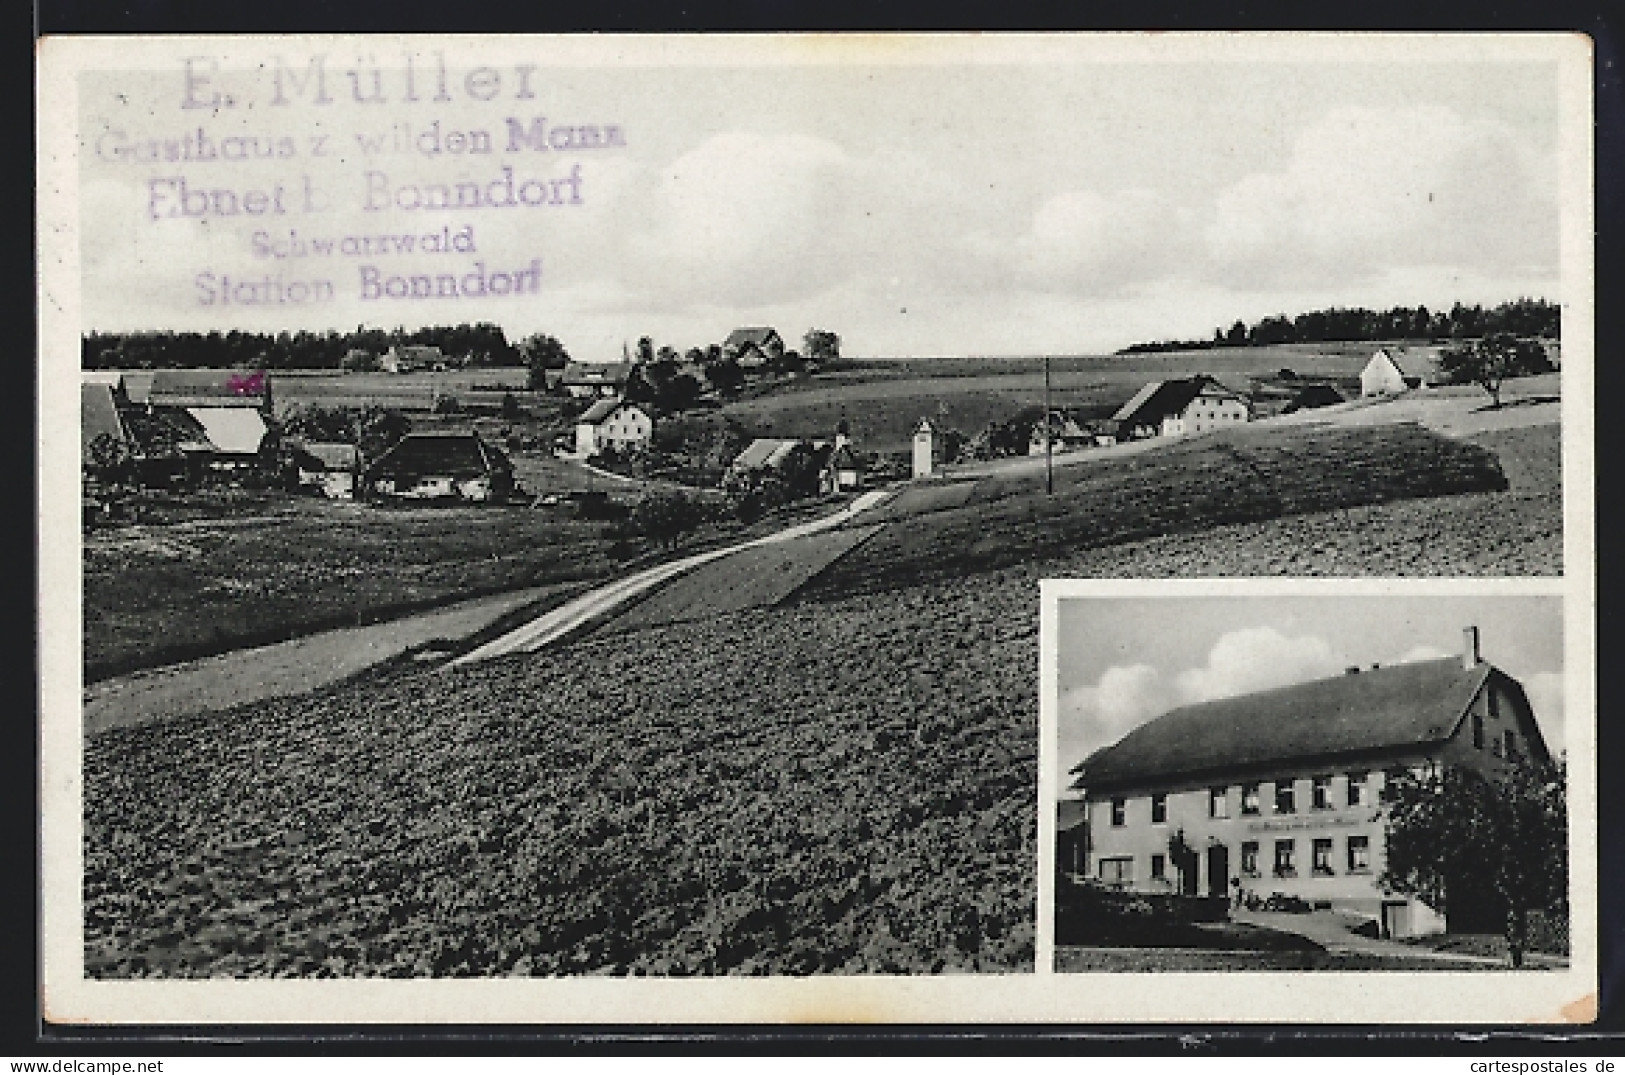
1306, 783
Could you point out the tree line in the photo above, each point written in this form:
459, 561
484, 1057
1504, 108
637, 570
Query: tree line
482, 344
1521, 317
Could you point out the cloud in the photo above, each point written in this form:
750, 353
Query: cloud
1240, 662
1545, 691
1367, 189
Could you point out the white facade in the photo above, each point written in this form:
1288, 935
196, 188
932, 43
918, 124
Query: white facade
1213, 408
1383, 376
923, 446
627, 426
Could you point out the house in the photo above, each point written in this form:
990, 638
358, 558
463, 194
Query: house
442, 466
584, 380
217, 417
1311, 396
1065, 434
1393, 370
329, 466
1178, 407
409, 358
753, 348
613, 423
1280, 791
843, 470
767, 453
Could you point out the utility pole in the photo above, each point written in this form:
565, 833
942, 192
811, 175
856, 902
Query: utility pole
1049, 454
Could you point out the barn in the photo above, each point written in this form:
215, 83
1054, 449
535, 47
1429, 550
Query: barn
1393, 370
1178, 407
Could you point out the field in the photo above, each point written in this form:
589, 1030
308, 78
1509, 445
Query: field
404, 391
841, 789
1248, 475
755, 578
153, 595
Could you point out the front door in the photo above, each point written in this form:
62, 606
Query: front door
1218, 870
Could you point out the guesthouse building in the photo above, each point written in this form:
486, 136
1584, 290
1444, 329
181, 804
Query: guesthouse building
614, 424
1279, 791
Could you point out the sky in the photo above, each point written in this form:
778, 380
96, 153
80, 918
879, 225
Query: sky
1123, 662
1056, 206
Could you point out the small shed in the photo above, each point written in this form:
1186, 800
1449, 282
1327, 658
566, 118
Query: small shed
330, 466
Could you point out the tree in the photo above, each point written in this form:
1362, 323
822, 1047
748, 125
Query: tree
821, 346
109, 460
1490, 361
666, 517
724, 376
1456, 836
541, 353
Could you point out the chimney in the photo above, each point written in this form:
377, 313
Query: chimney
1469, 648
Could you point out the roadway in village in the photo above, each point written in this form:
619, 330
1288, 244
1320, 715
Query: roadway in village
304, 664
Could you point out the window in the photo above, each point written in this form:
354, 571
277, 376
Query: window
1117, 871
1249, 799
1494, 700
1359, 854
1249, 858
1322, 792
1359, 794
1495, 745
1286, 799
1159, 809
1478, 731
1284, 866
1159, 867
1512, 744
1323, 856
1218, 802
1119, 813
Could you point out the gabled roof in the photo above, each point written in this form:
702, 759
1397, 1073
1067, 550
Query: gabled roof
844, 458
98, 416
1405, 705
1409, 363
760, 336
604, 408
231, 430
764, 452
453, 455
1159, 399
596, 373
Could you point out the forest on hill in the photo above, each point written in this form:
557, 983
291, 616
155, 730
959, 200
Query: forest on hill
1521, 317
482, 344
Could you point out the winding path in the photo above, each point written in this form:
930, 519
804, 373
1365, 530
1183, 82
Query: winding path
571, 615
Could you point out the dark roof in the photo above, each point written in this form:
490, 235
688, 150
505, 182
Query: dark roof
844, 458
1161, 398
601, 410
98, 415
453, 455
596, 373
1317, 395
1403, 705
760, 336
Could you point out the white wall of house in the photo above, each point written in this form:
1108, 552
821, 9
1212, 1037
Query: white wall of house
1381, 377
1205, 413
623, 428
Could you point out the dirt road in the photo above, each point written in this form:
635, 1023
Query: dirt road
573, 614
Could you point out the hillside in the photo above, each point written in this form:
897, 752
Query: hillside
884, 399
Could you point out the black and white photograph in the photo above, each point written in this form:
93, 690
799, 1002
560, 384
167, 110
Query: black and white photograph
562, 519
1312, 783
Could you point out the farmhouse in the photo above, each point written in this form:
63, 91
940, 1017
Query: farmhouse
1178, 407
328, 466
584, 380
1065, 434
612, 423
219, 417
753, 348
442, 466
1279, 791
1392, 371
409, 358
